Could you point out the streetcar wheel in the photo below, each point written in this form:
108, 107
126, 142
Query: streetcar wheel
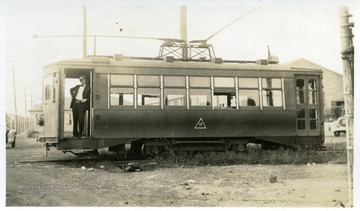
136, 149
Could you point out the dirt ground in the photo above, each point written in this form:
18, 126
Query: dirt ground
88, 183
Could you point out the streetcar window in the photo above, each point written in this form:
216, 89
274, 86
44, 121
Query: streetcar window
200, 97
271, 83
224, 99
174, 97
300, 91
148, 81
49, 88
272, 92
248, 92
174, 81
272, 98
224, 93
301, 122
224, 82
122, 80
248, 97
121, 90
312, 84
248, 83
148, 97
121, 96
200, 82
313, 99
314, 116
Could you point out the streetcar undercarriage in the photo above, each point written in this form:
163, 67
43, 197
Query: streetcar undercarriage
145, 148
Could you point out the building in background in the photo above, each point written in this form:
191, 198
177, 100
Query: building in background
35, 116
21, 124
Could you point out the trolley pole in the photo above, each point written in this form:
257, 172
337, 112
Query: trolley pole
347, 51
85, 33
183, 30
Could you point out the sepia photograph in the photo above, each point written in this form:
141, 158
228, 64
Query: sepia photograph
178, 104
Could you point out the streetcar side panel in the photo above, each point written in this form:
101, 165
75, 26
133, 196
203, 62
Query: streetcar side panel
185, 124
131, 122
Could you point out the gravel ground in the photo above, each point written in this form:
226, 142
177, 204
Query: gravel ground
88, 183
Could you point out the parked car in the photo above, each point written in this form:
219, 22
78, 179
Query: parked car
11, 137
339, 126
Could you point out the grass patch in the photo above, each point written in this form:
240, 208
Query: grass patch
335, 154
252, 156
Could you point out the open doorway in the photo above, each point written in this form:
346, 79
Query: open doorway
72, 82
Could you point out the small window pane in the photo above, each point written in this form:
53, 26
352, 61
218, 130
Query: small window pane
312, 84
121, 97
49, 88
271, 83
301, 125
224, 99
300, 84
199, 81
200, 97
148, 97
301, 113
174, 81
146, 80
272, 98
224, 82
174, 97
122, 80
248, 83
248, 97
314, 114
313, 97
300, 97
313, 124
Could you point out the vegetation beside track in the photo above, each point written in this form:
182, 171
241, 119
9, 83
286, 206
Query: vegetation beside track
335, 154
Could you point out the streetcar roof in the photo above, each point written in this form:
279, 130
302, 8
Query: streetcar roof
178, 64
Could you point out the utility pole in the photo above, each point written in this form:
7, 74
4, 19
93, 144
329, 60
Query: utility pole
347, 51
15, 107
84, 33
26, 123
25, 101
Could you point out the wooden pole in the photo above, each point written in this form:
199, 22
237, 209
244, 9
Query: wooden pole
15, 107
347, 51
25, 101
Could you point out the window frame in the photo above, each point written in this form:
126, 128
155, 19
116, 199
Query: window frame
282, 94
256, 88
121, 86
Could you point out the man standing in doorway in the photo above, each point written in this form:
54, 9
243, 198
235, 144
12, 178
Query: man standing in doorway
80, 102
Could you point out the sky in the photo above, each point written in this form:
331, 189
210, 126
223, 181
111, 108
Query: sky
292, 29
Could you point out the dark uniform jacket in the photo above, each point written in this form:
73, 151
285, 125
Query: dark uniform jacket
86, 95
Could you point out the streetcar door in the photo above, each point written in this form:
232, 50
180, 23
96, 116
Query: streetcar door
51, 105
71, 79
308, 105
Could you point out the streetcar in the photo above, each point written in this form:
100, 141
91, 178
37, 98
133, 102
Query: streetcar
171, 104
184, 99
